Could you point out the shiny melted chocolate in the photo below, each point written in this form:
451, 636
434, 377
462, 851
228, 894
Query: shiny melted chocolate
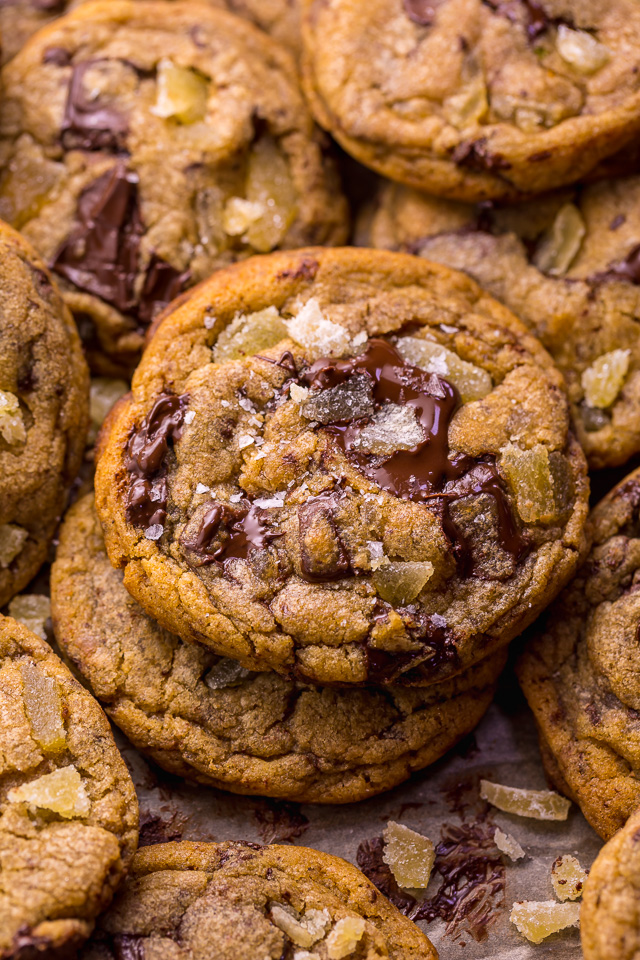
89, 124
147, 448
427, 472
230, 531
422, 11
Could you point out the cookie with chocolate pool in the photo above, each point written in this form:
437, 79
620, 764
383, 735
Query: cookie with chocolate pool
144, 144
567, 264
208, 719
348, 466
579, 671
68, 808
44, 410
235, 901
475, 99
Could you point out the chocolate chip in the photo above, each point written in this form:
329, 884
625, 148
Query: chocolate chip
57, 55
475, 155
617, 221
88, 124
101, 254
306, 270
422, 11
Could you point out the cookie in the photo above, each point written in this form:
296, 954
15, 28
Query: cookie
475, 99
580, 671
20, 19
568, 265
44, 408
146, 144
209, 720
233, 901
295, 483
68, 809
611, 901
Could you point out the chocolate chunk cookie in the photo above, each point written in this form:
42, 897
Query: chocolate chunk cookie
609, 914
68, 809
19, 19
235, 901
210, 720
145, 145
568, 265
44, 408
475, 99
345, 465
580, 672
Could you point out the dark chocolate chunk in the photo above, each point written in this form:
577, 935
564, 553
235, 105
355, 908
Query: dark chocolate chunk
162, 284
89, 124
157, 829
280, 821
57, 55
306, 270
101, 254
617, 221
629, 268
323, 556
422, 11
476, 155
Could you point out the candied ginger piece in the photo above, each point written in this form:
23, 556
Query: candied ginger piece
44, 707
12, 540
529, 475
33, 610
225, 673
409, 855
182, 93
269, 184
567, 878
582, 51
604, 379
538, 804
104, 393
472, 382
400, 581
317, 334
62, 792
560, 245
468, 106
345, 937
346, 401
248, 334
297, 393
239, 214
394, 427
537, 921
305, 930
508, 845
12, 427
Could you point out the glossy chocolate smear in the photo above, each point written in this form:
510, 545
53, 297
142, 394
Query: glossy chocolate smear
101, 255
89, 124
438, 649
425, 473
231, 531
323, 556
422, 11
147, 449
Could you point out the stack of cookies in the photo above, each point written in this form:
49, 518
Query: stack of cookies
336, 481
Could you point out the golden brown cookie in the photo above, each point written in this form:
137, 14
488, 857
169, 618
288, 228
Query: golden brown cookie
209, 720
475, 99
345, 465
580, 670
235, 901
609, 925
68, 808
568, 265
144, 145
44, 408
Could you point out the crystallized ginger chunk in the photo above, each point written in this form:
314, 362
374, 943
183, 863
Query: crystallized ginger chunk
604, 379
529, 475
269, 185
508, 845
32, 610
538, 804
561, 244
536, 921
400, 581
316, 333
567, 878
472, 382
248, 334
305, 930
409, 855
345, 937
394, 427
44, 707
12, 540
62, 792
12, 427
182, 93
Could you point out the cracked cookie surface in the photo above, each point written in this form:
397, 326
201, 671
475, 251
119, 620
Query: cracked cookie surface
475, 99
295, 483
68, 808
568, 265
611, 901
580, 671
44, 410
231, 901
20, 19
144, 146
208, 719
